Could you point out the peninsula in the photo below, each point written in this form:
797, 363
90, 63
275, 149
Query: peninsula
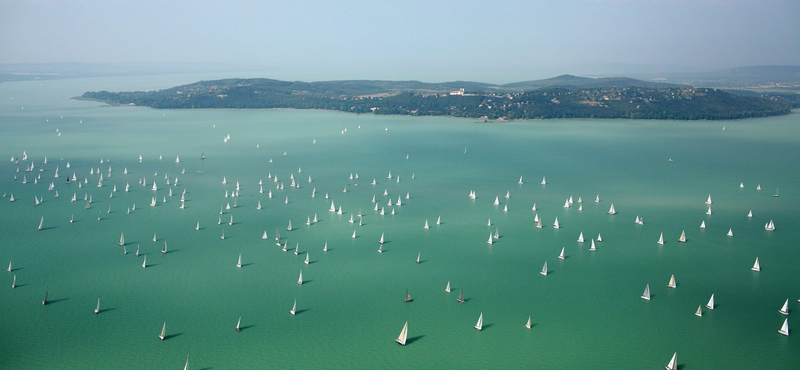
560, 97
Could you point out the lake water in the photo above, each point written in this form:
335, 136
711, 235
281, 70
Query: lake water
586, 313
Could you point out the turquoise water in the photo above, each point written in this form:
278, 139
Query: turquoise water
586, 312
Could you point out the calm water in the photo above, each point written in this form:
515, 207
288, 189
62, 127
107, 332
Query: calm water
587, 312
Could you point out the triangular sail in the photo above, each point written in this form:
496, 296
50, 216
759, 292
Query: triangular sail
479, 325
544, 269
561, 255
785, 308
756, 266
646, 294
401, 339
710, 304
661, 239
163, 331
447, 288
673, 363
528, 324
672, 282
785, 328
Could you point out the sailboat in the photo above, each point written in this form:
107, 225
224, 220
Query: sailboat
426, 225
164, 250
419, 254
699, 312
144, 262
561, 255
520, 181
611, 210
528, 324
646, 294
447, 288
479, 325
300, 279
491, 239
439, 220
163, 331
308, 259
544, 269
401, 339
580, 237
41, 223
682, 238
777, 195
555, 224
239, 263
460, 298
14, 282
289, 228
784, 328
293, 311
46, 291
673, 363
544, 181
238, 324
703, 224
9, 269
785, 308
297, 249
710, 304
593, 247
750, 214
730, 232
599, 238
661, 239
770, 226
97, 309
408, 297
708, 201
756, 266
671, 283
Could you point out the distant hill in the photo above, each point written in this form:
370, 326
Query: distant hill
614, 98
586, 82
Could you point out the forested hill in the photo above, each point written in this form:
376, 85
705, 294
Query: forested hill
561, 97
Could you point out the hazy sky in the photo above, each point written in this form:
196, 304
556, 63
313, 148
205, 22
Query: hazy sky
429, 40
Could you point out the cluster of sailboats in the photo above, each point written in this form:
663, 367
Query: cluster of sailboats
391, 203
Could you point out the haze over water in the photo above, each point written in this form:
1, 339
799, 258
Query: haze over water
587, 312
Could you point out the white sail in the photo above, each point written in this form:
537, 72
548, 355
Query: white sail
784, 328
401, 339
97, 309
561, 255
555, 224
750, 214
785, 308
682, 238
703, 224
710, 304
673, 363
239, 263
121, 239
699, 312
419, 255
756, 266
544, 269
730, 232
308, 259
239, 324
661, 239
293, 311
611, 210
300, 279
593, 247
528, 324
163, 331
426, 225
479, 325
672, 283
447, 288
289, 228
580, 237
646, 294
708, 201
144, 262
599, 238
